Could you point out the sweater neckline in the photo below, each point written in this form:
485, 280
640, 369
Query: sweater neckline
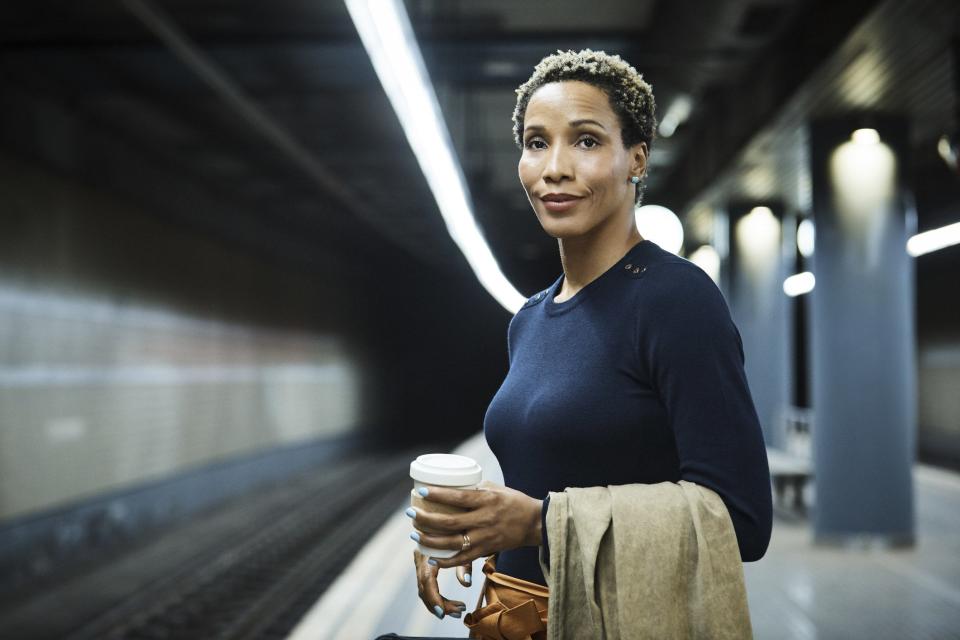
554, 308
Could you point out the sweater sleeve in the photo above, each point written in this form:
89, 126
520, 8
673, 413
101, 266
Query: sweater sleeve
694, 356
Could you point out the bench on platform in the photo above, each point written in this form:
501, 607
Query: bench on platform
789, 470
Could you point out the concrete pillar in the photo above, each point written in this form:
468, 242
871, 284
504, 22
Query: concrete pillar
754, 277
862, 333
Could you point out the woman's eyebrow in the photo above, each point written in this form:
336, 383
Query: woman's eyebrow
572, 123
577, 123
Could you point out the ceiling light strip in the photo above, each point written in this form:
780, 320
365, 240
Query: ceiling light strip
386, 33
934, 240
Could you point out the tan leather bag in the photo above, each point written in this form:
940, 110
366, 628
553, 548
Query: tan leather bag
516, 609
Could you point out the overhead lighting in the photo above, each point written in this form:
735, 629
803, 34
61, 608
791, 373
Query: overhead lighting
757, 236
677, 113
661, 225
948, 146
862, 174
865, 136
385, 30
805, 235
934, 239
707, 258
799, 284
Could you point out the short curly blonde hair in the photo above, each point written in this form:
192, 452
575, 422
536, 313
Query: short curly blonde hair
631, 97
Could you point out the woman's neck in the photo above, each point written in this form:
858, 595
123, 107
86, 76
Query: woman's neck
585, 258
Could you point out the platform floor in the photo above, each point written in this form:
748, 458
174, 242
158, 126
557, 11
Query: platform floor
797, 591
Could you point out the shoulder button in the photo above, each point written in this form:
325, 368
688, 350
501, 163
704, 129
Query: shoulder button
634, 270
534, 299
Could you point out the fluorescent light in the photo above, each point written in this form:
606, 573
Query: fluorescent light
707, 258
799, 284
661, 225
948, 151
758, 240
934, 239
676, 114
385, 30
805, 237
863, 175
865, 136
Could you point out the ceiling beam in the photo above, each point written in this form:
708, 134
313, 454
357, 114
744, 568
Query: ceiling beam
732, 114
265, 125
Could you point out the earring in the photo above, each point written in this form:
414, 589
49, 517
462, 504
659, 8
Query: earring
634, 179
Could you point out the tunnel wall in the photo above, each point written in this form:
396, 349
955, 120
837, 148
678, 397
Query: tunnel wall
938, 355
131, 349
939, 400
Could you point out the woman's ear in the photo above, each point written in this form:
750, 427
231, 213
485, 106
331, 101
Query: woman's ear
638, 159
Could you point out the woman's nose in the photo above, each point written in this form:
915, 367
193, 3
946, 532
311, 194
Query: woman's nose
557, 166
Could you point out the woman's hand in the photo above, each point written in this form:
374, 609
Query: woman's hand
429, 591
497, 518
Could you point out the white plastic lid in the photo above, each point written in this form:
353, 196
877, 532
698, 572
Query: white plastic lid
446, 469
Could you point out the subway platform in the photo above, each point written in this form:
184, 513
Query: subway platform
796, 592
327, 556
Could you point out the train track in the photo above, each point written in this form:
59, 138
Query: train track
258, 582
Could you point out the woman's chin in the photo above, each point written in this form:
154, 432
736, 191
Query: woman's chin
562, 229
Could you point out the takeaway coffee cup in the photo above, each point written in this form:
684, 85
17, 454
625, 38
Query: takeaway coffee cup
441, 470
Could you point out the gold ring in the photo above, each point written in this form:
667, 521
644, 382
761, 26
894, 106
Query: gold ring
466, 542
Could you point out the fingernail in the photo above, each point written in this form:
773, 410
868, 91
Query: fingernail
454, 614
462, 607
415, 536
411, 512
432, 561
467, 578
438, 611
423, 491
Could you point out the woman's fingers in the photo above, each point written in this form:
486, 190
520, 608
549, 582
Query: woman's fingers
435, 540
463, 574
448, 542
429, 591
440, 523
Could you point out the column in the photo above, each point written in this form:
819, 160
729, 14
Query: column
754, 276
862, 347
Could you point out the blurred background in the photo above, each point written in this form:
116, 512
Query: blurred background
255, 257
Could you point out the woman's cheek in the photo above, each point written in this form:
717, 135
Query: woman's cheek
527, 174
596, 170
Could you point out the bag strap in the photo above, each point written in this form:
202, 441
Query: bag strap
483, 588
487, 589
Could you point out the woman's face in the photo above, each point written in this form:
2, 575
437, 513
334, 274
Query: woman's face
572, 146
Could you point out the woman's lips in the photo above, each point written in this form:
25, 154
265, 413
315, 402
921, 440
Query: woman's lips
560, 206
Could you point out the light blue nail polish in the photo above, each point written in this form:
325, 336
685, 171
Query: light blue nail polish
423, 491
438, 611
411, 512
432, 561
467, 579
415, 536
455, 614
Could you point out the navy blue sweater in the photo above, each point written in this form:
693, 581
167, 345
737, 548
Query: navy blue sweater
639, 377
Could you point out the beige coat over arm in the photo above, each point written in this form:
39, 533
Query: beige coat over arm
657, 561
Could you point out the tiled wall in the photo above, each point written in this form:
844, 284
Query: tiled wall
939, 401
94, 396
131, 349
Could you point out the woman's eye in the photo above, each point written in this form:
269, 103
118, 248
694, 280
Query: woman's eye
532, 142
590, 140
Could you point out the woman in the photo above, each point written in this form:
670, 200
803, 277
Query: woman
627, 369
